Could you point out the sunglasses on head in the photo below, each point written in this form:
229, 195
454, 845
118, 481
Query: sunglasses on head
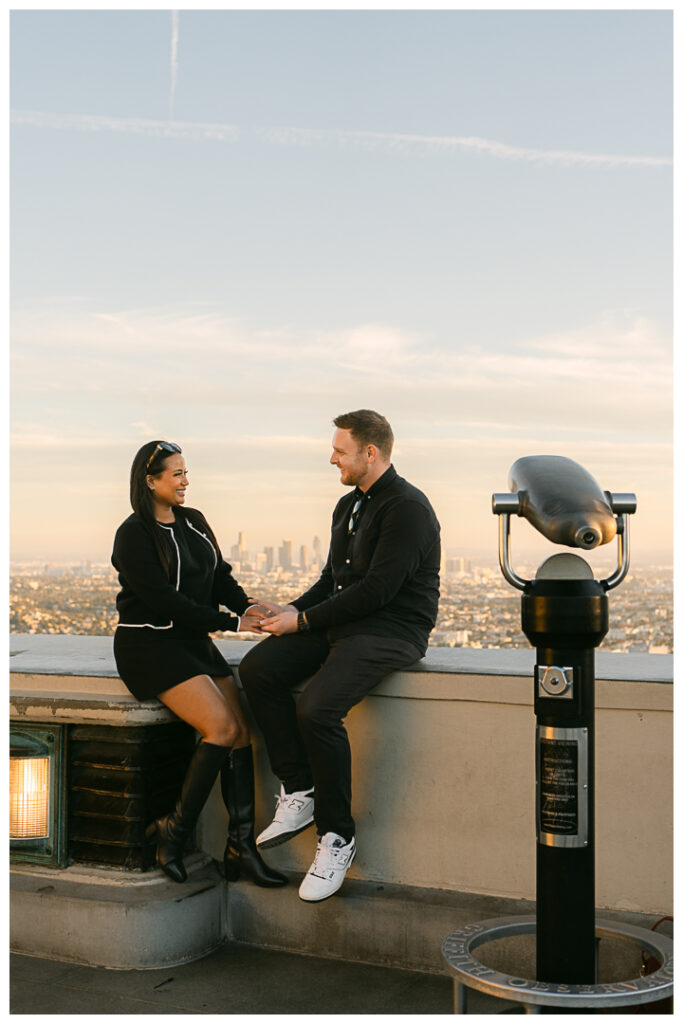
164, 446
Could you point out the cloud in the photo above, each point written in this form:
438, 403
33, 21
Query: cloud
128, 125
610, 378
33, 436
144, 429
174, 60
626, 333
38, 440
404, 142
396, 142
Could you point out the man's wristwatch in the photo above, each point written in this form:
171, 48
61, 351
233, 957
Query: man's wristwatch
301, 624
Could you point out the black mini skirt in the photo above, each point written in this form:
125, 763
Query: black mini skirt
150, 661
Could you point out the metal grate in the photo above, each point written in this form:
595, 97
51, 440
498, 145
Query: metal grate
120, 779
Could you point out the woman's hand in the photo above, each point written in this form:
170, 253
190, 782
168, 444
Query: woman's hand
285, 622
251, 620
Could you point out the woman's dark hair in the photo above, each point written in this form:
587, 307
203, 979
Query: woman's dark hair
141, 496
143, 503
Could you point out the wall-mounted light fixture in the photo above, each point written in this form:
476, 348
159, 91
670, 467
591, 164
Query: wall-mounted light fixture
37, 783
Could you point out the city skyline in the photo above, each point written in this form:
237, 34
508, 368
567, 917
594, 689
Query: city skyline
230, 226
477, 607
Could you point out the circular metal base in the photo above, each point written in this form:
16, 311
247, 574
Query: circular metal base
458, 948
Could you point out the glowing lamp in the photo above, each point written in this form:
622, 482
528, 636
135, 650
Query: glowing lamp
37, 829
29, 797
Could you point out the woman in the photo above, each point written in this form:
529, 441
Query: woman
173, 579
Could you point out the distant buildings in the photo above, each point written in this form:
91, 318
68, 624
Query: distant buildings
477, 607
284, 553
264, 561
458, 565
239, 553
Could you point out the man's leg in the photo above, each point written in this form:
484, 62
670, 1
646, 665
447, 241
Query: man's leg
268, 673
353, 667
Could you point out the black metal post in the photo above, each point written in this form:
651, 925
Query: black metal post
565, 620
565, 616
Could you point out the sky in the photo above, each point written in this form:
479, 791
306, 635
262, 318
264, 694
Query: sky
227, 227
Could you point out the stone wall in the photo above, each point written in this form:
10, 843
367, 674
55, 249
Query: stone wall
443, 766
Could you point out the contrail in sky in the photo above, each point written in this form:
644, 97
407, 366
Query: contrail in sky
174, 60
393, 141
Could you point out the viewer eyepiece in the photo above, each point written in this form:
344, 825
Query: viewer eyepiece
564, 503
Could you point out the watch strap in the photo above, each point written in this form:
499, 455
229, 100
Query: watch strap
301, 624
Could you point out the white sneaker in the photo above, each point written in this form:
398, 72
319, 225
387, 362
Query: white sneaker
293, 813
328, 870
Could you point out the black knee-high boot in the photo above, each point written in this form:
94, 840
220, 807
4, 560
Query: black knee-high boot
173, 830
241, 855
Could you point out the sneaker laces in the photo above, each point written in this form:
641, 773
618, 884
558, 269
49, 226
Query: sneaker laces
326, 855
286, 800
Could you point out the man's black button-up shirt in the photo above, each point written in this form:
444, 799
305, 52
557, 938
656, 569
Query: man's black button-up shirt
381, 577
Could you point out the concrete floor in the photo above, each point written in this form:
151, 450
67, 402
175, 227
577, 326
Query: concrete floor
234, 979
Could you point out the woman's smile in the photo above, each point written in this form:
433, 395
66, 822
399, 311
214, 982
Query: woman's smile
168, 487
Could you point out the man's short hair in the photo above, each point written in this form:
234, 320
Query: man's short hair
368, 427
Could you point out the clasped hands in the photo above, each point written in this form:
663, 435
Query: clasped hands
267, 617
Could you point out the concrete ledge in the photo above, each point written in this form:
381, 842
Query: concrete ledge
388, 925
74, 679
93, 656
31, 703
116, 919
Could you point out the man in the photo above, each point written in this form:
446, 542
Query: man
370, 613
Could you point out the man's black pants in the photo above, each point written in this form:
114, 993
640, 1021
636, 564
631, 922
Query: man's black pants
306, 740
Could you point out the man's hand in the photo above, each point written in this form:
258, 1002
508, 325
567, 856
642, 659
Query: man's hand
284, 622
251, 620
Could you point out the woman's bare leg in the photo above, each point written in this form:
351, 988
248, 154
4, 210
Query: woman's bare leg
203, 705
228, 687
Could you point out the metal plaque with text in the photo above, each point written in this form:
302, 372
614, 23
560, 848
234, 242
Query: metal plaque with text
562, 786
